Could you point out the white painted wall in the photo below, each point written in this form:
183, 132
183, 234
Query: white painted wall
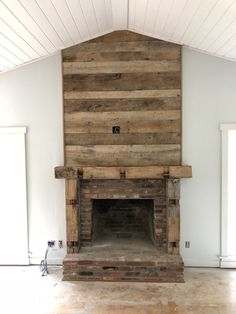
209, 98
31, 96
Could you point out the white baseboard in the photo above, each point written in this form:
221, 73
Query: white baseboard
228, 262
201, 263
51, 261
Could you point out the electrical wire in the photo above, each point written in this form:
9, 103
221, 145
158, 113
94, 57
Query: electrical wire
43, 266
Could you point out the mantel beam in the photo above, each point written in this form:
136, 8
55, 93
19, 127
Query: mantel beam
150, 172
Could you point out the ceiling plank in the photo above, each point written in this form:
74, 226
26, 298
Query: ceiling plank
17, 40
185, 19
225, 41
6, 43
2, 67
89, 14
131, 17
215, 15
101, 15
67, 19
79, 18
151, 13
40, 18
9, 56
50, 12
109, 14
219, 27
198, 19
19, 11
120, 14
140, 14
17, 25
162, 16
174, 18
6, 63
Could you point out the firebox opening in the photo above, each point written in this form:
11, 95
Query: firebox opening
122, 220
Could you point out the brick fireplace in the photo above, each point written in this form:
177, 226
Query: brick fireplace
123, 209
123, 163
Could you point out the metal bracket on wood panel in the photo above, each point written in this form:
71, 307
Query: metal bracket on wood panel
71, 244
173, 201
122, 174
166, 175
80, 173
72, 202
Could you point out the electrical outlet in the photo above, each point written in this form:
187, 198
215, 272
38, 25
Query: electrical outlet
60, 244
51, 243
187, 244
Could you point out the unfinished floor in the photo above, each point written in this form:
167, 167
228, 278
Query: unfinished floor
206, 291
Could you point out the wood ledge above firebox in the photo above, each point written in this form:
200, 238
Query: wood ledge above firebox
150, 172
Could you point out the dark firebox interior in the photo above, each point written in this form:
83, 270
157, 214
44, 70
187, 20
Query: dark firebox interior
122, 220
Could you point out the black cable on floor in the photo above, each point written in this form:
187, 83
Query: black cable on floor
44, 264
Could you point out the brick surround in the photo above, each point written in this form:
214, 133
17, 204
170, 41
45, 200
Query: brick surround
133, 207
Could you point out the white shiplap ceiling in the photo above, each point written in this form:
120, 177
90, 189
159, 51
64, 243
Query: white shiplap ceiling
32, 29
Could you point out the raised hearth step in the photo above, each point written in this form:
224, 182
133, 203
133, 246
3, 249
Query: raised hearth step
168, 268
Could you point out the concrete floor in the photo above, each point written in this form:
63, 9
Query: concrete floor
206, 291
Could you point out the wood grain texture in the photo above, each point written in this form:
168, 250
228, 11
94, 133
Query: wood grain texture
120, 67
173, 215
137, 127
162, 53
121, 139
122, 94
111, 118
128, 80
72, 222
143, 172
181, 172
123, 155
119, 46
121, 81
139, 104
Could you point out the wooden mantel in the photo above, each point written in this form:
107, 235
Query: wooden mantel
149, 172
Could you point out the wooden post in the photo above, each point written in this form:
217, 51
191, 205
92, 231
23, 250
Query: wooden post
72, 215
173, 215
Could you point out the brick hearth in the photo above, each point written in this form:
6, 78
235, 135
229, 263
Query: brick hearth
123, 260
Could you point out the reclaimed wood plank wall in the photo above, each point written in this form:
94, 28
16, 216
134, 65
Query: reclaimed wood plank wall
128, 80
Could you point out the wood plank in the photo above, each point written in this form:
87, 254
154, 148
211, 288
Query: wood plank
122, 94
149, 45
72, 223
100, 105
145, 172
149, 172
173, 188
122, 81
121, 139
123, 155
121, 67
150, 126
173, 215
129, 122
173, 223
111, 118
101, 173
67, 172
181, 172
162, 53
130, 172
121, 36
